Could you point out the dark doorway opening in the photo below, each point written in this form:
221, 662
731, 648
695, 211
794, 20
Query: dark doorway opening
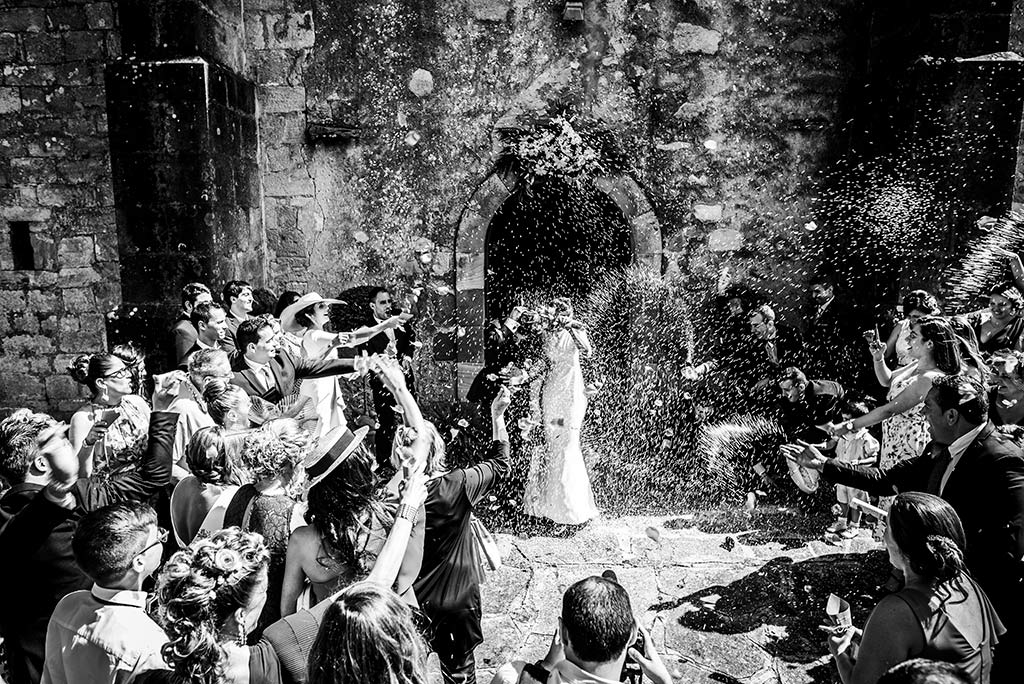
552, 239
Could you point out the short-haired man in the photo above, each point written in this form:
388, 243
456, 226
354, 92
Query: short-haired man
397, 343
772, 347
210, 322
40, 512
238, 300
104, 634
263, 368
203, 366
831, 334
183, 333
805, 404
980, 472
594, 637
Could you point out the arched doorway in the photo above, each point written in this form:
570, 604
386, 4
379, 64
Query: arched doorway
471, 251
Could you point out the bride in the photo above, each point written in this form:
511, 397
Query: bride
558, 487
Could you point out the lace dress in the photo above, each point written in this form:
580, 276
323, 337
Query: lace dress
558, 486
904, 435
122, 445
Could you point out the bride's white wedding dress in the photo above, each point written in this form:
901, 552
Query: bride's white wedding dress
558, 487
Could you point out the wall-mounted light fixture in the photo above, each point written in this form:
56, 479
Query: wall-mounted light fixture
573, 10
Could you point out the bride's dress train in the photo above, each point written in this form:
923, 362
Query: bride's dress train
558, 486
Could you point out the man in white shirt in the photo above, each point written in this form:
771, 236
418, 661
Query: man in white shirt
203, 366
210, 322
104, 635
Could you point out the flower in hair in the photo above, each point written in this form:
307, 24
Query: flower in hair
1010, 364
227, 560
967, 392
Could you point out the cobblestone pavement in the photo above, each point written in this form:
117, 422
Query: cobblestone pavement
739, 603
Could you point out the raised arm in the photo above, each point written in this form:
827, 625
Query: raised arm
481, 477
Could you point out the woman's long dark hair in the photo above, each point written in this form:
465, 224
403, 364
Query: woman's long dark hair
368, 635
945, 343
929, 533
337, 508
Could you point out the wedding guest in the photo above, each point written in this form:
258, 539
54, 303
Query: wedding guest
924, 671
853, 448
448, 586
805, 404
200, 500
935, 351
1006, 402
398, 343
266, 505
368, 635
40, 512
595, 635
183, 333
287, 298
209, 597
265, 370
109, 432
210, 322
104, 634
967, 455
135, 358
916, 305
347, 518
1001, 325
264, 302
228, 404
771, 347
204, 366
941, 613
831, 334
238, 300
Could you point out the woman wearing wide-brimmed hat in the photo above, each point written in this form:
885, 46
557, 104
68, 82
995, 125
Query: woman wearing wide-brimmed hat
348, 521
303, 334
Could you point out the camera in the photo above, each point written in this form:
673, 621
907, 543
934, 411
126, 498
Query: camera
631, 671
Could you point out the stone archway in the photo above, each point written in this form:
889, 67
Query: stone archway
470, 256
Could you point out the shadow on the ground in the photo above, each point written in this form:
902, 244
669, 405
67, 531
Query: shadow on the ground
788, 596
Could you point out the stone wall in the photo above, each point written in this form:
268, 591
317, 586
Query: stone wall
58, 250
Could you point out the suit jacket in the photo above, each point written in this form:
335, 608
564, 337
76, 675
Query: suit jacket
404, 338
183, 365
37, 533
228, 343
286, 370
184, 335
819, 406
832, 346
987, 491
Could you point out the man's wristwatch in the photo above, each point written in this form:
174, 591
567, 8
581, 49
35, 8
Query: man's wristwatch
407, 512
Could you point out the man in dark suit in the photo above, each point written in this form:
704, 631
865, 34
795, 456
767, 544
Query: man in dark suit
805, 404
210, 322
833, 348
397, 343
183, 332
980, 472
770, 348
237, 299
263, 369
40, 513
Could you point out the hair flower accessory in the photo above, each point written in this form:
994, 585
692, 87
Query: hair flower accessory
227, 560
967, 392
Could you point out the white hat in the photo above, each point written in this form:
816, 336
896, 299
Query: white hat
331, 450
308, 299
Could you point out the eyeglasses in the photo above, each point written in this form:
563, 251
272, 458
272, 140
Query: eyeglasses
161, 538
120, 373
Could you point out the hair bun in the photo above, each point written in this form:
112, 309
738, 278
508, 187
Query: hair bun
79, 368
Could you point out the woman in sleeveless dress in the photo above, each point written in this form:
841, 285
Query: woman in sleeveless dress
558, 486
916, 305
935, 351
199, 501
941, 613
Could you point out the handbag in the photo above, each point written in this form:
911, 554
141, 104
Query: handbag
487, 549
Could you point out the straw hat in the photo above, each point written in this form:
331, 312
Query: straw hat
331, 450
308, 299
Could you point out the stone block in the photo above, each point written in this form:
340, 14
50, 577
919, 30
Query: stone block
10, 100
489, 10
63, 387
708, 213
25, 323
99, 15
77, 171
77, 277
43, 48
9, 50
42, 302
282, 99
689, 38
20, 385
12, 300
23, 19
30, 75
76, 251
289, 31
26, 346
288, 183
66, 196
470, 271
65, 18
44, 249
725, 240
84, 45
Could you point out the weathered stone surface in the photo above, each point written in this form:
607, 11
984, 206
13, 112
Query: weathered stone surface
708, 213
10, 100
282, 99
421, 83
489, 10
688, 38
76, 251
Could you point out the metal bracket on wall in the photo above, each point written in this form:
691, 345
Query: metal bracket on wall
331, 133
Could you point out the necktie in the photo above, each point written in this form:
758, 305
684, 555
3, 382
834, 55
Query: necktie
268, 378
773, 351
941, 457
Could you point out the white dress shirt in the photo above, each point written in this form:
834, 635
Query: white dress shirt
101, 636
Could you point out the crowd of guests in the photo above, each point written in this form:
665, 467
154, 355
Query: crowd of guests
224, 522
